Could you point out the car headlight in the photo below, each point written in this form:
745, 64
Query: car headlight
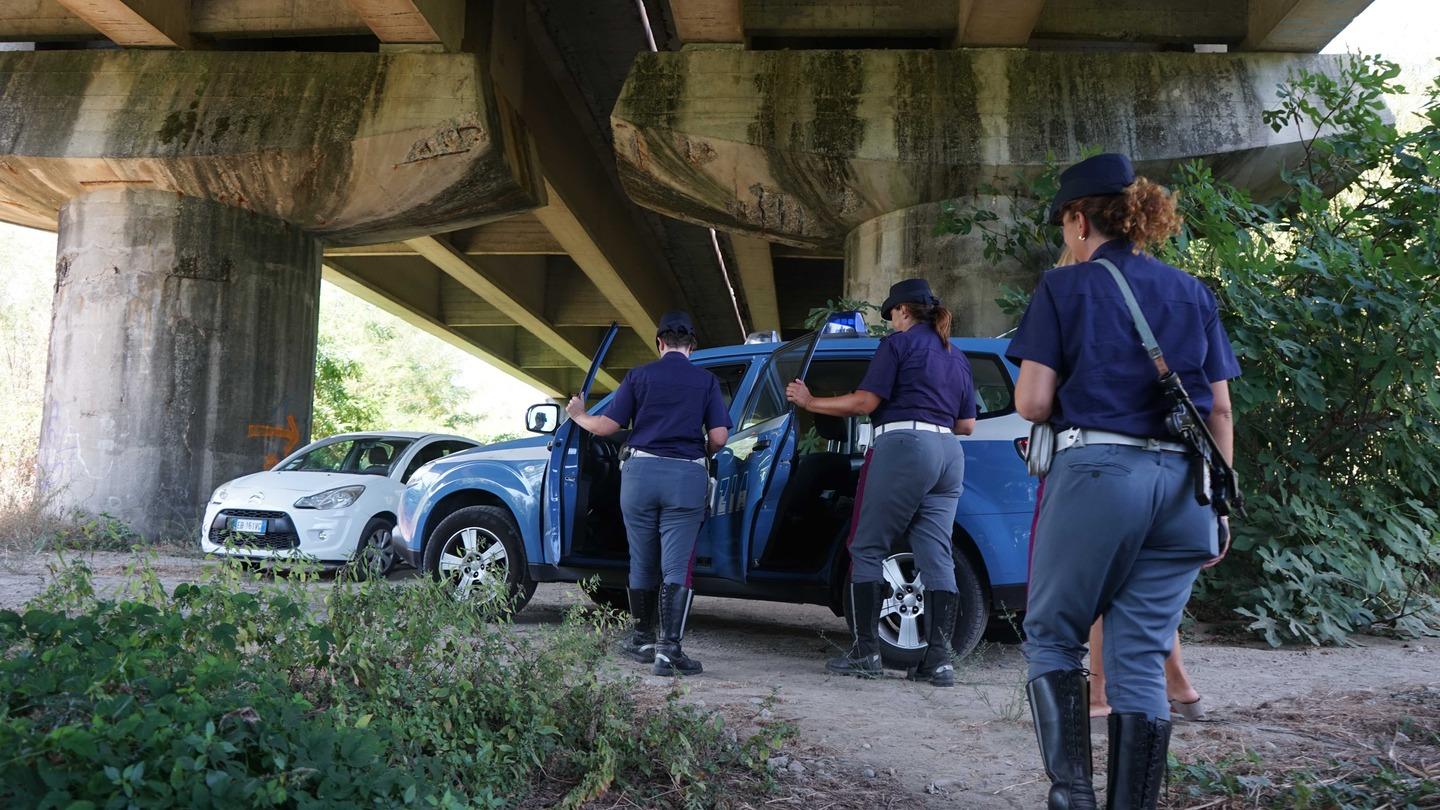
337, 498
220, 494
421, 476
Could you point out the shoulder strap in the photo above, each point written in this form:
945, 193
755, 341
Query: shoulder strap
1147, 337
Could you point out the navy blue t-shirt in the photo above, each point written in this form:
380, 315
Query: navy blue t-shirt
918, 379
673, 404
1078, 325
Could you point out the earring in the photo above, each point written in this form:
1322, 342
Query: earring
1082, 237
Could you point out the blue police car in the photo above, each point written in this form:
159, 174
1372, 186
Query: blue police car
547, 509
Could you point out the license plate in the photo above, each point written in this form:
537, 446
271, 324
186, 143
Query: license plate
247, 525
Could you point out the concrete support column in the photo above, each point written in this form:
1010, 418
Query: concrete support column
903, 244
182, 353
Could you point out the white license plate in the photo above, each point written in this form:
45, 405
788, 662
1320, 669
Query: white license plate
247, 525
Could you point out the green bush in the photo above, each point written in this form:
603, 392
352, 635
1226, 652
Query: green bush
238, 694
1330, 298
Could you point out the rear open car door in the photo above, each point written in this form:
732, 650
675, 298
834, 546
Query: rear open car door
755, 465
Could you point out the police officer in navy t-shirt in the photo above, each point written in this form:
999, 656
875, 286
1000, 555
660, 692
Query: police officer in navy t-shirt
919, 394
1119, 532
680, 419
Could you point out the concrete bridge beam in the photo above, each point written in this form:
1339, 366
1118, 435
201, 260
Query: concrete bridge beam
805, 147
182, 350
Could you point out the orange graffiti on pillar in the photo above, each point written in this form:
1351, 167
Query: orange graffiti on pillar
290, 432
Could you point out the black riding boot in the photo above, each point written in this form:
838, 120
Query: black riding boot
1138, 749
640, 644
937, 666
674, 610
863, 659
1060, 705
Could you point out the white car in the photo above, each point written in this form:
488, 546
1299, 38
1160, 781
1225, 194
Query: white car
333, 501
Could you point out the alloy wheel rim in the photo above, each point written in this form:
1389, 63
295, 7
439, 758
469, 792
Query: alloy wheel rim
379, 556
902, 622
471, 559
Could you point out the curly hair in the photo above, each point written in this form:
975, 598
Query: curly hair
1144, 214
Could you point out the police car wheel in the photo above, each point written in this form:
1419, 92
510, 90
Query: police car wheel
902, 615
477, 553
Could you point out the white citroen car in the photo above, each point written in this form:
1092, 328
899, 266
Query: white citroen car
333, 501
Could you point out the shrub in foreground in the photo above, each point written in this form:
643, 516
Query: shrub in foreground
232, 693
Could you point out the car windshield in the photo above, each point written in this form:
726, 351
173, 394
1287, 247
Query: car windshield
369, 456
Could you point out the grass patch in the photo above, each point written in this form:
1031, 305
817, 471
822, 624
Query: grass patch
240, 691
1350, 750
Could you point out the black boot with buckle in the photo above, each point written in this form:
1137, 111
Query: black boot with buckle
640, 644
863, 659
1138, 750
1060, 706
674, 610
938, 666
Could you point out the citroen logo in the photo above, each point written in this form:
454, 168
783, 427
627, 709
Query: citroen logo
257, 497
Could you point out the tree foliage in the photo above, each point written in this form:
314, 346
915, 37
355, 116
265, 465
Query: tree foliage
1329, 297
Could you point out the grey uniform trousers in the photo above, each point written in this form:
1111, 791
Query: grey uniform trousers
909, 488
1119, 534
663, 501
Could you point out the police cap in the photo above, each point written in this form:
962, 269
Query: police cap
1109, 173
677, 321
908, 291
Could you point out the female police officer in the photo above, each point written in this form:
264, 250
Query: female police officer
1120, 533
680, 419
919, 394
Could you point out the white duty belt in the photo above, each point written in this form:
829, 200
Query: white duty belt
911, 425
1081, 437
642, 454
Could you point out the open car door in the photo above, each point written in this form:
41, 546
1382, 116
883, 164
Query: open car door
752, 469
562, 474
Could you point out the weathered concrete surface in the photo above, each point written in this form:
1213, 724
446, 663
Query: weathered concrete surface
800, 147
357, 147
179, 324
903, 244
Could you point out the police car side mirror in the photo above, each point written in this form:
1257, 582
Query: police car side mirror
542, 418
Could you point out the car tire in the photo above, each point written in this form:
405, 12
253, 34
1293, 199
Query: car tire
461, 551
899, 649
374, 558
613, 598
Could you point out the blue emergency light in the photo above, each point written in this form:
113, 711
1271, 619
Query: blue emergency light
844, 323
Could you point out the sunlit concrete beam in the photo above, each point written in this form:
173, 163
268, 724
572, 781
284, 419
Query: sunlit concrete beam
1304, 26
1002, 23
473, 275
701, 21
414, 22
757, 279
421, 309
520, 235
137, 23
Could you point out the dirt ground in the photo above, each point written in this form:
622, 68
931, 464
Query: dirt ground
970, 746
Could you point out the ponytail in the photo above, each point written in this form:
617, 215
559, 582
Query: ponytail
936, 316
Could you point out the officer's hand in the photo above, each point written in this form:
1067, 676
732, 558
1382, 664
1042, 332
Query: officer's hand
799, 393
576, 407
1224, 544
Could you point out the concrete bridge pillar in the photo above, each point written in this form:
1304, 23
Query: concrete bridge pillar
182, 348
903, 244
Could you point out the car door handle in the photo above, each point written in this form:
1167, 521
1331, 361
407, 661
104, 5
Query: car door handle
761, 444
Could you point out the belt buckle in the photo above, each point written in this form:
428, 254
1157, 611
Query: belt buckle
1153, 444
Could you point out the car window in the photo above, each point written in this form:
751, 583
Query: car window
431, 452
369, 456
767, 401
828, 378
731, 376
994, 391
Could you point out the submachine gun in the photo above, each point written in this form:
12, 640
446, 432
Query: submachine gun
1216, 484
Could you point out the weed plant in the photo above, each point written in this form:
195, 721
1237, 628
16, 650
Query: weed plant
244, 692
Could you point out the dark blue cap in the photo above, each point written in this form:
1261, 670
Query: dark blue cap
1109, 173
909, 291
675, 321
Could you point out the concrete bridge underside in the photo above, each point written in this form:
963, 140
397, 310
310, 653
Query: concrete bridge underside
512, 176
